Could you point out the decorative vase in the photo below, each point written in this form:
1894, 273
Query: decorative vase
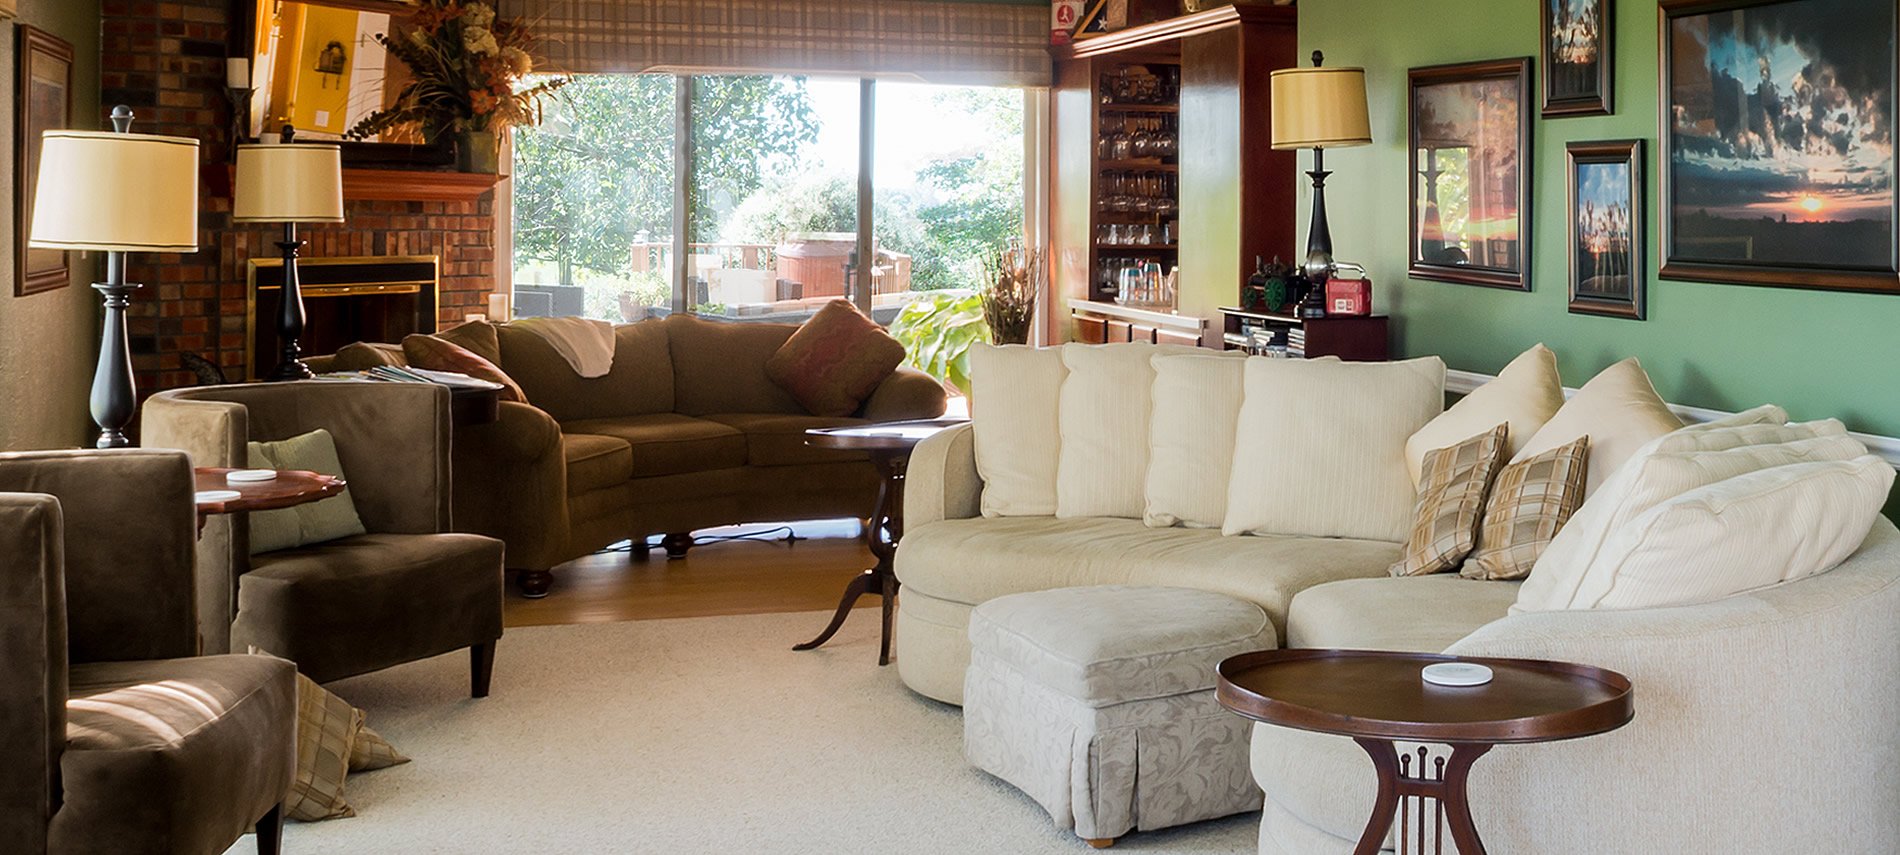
478, 151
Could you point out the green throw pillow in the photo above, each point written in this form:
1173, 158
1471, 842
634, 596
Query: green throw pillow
315, 522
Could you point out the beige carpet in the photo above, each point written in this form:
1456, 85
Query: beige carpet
687, 736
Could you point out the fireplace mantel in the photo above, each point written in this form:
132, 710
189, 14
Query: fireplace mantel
403, 185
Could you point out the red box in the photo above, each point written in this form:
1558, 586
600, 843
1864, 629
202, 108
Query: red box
1349, 296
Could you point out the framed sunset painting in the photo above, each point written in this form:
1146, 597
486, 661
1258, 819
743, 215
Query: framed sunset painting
1469, 127
1606, 231
1777, 134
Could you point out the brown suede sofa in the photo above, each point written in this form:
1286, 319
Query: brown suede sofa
685, 432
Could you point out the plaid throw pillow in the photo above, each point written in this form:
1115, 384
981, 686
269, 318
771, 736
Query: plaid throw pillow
1453, 483
1531, 500
327, 727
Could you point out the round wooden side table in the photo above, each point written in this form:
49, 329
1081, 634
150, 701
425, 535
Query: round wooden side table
1378, 697
291, 487
889, 445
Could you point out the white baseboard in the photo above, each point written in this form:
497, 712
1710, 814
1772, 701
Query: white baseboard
1462, 382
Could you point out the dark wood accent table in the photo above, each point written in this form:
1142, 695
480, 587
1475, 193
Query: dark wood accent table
889, 445
1378, 697
291, 487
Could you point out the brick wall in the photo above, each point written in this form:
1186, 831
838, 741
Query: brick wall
166, 61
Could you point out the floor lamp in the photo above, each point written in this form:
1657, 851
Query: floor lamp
1319, 108
289, 183
115, 192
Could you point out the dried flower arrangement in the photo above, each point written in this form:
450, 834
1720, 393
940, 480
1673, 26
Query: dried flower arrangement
465, 64
1009, 304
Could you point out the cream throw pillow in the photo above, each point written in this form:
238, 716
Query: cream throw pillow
1682, 461
1102, 468
1320, 448
1618, 410
1196, 404
1014, 395
1750, 531
328, 519
1525, 395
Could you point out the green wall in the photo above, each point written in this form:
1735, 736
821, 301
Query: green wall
1723, 346
48, 341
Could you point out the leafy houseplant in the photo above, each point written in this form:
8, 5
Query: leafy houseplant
937, 329
464, 64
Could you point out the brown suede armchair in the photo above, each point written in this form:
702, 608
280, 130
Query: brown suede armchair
116, 736
406, 590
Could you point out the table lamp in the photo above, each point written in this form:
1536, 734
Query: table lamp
1319, 108
115, 192
289, 183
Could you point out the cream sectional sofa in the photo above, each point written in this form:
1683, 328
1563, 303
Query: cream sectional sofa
1767, 721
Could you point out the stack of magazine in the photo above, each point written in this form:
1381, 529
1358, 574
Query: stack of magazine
405, 374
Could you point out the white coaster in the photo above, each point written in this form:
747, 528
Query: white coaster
203, 496
1456, 674
249, 476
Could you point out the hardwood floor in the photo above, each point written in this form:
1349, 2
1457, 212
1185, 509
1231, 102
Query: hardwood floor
729, 578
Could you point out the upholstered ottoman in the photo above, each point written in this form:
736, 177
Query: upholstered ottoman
1098, 702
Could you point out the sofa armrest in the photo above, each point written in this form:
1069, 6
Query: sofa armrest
906, 394
941, 482
1797, 682
33, 673
511, 484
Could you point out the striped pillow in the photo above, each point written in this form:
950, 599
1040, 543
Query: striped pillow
1530, 502
1453, 484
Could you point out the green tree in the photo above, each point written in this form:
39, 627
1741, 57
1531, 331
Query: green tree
599, 169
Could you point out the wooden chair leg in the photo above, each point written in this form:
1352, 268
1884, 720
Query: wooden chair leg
270, 831
676, 544
641, 548
1100, 842
481, 666
534, 584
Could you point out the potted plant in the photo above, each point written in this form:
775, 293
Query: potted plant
465, 65
1009, 304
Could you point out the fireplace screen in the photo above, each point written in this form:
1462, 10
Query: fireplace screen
377, 298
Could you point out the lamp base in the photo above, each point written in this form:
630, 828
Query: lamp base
114, 397
293, 370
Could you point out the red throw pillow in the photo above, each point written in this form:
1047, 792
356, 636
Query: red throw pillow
835, 360
435, 354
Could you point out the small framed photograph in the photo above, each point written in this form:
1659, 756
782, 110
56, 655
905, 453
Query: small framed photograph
43, 102
1578, 62
1607, 267
1469, 127
1777, 162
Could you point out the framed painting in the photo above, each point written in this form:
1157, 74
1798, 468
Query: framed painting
1606, 230
1777, 130
1577, 60
43, 101
1469, 128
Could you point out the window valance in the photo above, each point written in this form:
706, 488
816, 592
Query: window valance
942, 42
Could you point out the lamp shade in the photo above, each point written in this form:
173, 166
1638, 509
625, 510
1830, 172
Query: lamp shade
116, 193
289, 183
1320, 108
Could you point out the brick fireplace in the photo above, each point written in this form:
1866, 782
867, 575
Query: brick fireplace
166, 61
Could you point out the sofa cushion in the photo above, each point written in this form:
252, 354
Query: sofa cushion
835, 360
1110, 644
1618, 410
312, 522
1196, 410
1524, 395
669, 443
1651, 478
1102, 417
1451, 498
779, 440
1751, 531
595, 461
364, 355
435, 353
719, 366
349, 606
189, 752
640, 382
1330, 459
477, 337
1530, 502
971, 561
1014, 395
1422, 614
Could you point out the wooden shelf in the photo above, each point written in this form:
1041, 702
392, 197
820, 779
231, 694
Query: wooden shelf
1141, 108
1157, 247
415, 185
1137, 166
